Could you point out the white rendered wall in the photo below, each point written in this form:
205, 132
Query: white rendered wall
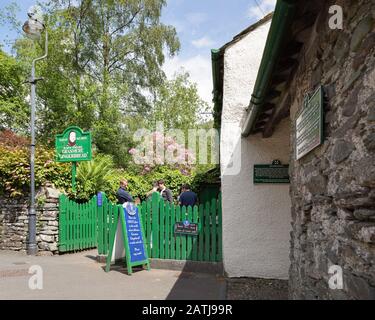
256, 218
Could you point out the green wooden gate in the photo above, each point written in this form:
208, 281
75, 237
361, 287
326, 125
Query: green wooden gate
159, 218
85, 226
77, 225
106, 223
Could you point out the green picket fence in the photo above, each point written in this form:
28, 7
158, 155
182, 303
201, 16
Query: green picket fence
159, 218
85, 226
77, 225
106, 223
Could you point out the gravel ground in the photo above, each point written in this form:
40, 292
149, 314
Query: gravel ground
256, 289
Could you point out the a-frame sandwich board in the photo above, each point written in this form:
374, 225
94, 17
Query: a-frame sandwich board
129, 222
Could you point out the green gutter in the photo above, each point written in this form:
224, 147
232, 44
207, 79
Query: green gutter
281, 21
217, 90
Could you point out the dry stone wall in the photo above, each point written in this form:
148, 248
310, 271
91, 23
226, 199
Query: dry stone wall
333, 187
14, 222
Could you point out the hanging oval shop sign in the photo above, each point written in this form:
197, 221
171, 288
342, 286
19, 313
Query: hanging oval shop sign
73, 145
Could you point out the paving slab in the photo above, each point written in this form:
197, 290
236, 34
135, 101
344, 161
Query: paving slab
80, 276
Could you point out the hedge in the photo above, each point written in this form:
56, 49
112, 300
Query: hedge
15, 176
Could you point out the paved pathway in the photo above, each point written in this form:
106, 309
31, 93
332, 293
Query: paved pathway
79, 276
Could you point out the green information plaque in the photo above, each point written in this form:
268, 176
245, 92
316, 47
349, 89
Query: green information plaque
73, 145
309, 125
271, 173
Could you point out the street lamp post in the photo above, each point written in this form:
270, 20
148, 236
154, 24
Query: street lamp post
33, 29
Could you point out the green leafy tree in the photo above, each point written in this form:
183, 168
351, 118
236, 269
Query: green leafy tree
178, 104
120, 46
103, 73
13, 106
104, 61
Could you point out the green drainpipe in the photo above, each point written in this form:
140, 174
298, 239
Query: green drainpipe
217, 90
281, 21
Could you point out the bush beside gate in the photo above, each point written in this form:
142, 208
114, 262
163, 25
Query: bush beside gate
86, 226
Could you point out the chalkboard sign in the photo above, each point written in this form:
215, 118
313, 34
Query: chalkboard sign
129, 225
309, 124
186, 228
271, 173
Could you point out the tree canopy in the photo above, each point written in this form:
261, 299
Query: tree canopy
178, 104
103, 73
13, 107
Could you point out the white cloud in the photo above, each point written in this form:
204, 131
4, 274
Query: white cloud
266, 6
198, 67
204, 42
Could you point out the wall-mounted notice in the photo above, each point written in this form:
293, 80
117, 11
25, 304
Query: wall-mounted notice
271, 173
186, 228
309, 125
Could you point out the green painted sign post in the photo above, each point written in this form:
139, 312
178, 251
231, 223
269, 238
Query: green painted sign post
73, 146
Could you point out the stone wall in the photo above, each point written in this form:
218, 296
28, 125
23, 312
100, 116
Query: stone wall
333, 187
14, 222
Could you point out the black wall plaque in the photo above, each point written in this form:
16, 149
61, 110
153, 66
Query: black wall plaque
186, 229
271, 173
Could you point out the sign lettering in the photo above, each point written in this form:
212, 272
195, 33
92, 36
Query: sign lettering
73, 145
309, 125
186, 228
271, 173
130, 233
134, 233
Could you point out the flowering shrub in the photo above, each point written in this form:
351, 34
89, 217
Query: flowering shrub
99, 175
158, 150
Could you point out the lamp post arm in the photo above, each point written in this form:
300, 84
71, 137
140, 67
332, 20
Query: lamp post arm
45, 54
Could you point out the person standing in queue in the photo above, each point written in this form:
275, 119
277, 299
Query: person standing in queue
165, 192
188, 197
122, 194
155, 188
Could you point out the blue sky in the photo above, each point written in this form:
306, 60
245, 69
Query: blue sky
201, 26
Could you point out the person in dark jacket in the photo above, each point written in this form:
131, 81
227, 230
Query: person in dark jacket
165, 192
188, 197
123, 195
